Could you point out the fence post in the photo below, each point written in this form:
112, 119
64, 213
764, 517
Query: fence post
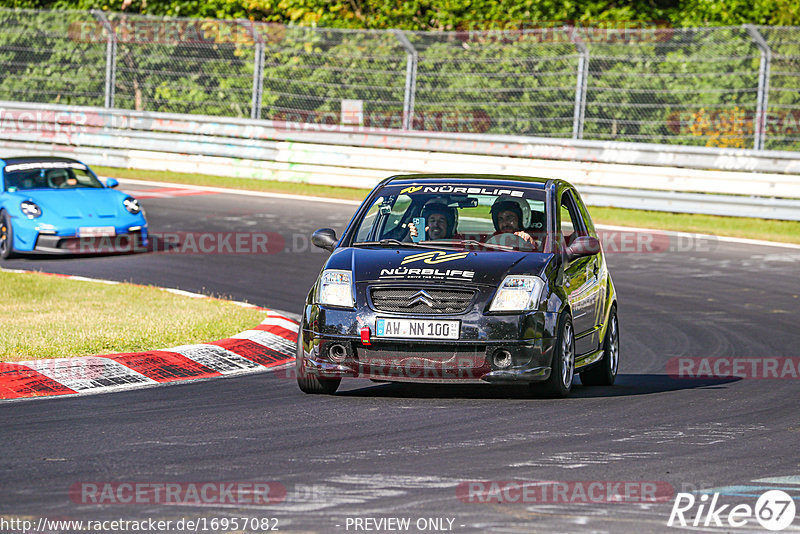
762, 100
111, 57
411, 79
580, 87
258, 72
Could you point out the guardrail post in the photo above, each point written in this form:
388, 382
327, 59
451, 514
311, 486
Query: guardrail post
762, 100
580, 86
258, 73
111, 58
411, 79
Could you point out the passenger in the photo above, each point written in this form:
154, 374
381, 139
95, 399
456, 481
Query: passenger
512, 216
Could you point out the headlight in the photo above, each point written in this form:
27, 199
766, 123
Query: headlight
132, 205
30, 209
517, 293
336, 289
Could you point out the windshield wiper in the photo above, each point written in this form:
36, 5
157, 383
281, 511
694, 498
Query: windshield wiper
394, 243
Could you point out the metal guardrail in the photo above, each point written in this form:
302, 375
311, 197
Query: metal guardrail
611, 173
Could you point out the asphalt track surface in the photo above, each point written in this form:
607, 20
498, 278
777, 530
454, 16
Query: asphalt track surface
387, 450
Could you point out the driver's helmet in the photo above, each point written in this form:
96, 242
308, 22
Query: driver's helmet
517, 205
439, 205
57, 178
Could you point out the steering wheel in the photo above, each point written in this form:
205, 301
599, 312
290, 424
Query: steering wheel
510, 240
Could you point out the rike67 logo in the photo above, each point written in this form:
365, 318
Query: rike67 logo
774, 510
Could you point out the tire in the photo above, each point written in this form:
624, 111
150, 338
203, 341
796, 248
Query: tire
605, 372
6, 236
563, 368
310, 384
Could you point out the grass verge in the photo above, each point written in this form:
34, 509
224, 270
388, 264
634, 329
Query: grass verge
54, 317
767, 230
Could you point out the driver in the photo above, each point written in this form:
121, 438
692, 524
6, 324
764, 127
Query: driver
440, 220
512, 215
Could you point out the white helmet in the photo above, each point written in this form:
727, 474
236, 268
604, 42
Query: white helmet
517, 205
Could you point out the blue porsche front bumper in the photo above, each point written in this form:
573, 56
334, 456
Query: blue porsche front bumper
80, 237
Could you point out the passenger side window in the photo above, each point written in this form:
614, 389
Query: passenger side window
571, 226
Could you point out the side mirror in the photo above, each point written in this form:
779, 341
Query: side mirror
112, 182
324, 238
583, 246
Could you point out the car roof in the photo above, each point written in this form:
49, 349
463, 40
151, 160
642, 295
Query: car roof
499, 180
36, 159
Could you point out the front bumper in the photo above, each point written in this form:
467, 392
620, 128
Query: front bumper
30, 237
414, 361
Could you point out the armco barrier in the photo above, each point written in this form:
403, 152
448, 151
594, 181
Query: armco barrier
658, 177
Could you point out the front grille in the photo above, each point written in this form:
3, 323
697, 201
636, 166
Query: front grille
420, 300
417, 356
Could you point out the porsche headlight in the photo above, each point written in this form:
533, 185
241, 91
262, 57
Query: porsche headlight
132, 205
336, 288
517, 293
30, 209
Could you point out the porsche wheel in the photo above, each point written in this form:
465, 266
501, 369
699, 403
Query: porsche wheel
605, 372
6, 236
563, 367
310, 384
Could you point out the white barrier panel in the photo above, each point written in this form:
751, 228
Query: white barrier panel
242, 148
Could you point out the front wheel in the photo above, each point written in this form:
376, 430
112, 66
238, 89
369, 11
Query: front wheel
310, 384
605, 372
563, 368
6, 236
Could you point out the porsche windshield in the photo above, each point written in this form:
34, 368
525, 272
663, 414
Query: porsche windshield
481, 216
67, 176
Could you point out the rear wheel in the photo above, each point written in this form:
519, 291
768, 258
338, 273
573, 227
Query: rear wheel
563, 368
313, 385
604, 373
6, 236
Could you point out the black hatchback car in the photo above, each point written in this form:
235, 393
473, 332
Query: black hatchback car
462, 278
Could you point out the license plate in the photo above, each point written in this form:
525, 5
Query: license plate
417, 329
96, 231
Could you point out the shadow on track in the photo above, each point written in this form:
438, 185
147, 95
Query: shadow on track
625, 386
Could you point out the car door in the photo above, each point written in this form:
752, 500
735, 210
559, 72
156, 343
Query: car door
581, 281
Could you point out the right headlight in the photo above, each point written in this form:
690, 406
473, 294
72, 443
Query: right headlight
336, 288
517, 293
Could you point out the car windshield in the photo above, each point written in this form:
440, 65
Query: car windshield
64, 176
456, 215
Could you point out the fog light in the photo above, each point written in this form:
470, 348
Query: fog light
501, 359
337, 352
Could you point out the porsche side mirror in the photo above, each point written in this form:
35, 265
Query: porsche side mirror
111, 182
324, 238
583, 246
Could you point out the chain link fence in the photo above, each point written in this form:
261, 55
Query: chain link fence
719, 87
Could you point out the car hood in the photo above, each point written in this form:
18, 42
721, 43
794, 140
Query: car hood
77, 203
435, 265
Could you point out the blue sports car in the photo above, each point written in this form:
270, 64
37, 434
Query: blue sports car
58, 205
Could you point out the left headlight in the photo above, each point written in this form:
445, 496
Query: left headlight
517, 293
132, 205
30, 209
336, 288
